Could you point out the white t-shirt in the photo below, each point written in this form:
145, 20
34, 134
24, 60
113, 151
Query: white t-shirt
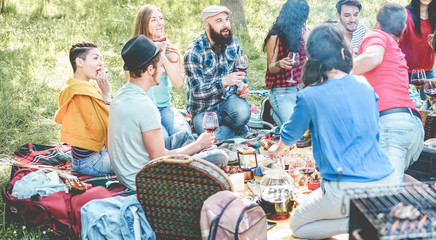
132, 112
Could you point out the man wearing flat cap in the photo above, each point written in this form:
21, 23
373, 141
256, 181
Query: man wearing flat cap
212, 77
134, 131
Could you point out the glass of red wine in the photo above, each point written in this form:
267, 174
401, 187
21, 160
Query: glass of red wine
295, 61
241, 63
210, 122
307, 171
418, 77
430, 89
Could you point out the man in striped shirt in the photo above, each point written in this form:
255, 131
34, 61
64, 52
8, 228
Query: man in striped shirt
348, 15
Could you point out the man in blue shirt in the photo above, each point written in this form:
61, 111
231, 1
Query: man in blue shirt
212, 77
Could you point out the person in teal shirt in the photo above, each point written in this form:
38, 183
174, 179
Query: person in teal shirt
341, 112
150, 23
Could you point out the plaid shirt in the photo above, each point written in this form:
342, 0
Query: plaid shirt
277, 80
204, 71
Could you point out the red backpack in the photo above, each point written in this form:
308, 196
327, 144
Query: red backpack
60, 210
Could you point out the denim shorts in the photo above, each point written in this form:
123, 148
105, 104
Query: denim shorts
402, 139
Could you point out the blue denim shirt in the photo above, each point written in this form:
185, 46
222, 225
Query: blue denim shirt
113, 218
205, 70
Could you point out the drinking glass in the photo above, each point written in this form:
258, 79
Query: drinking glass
210, 122
308, 169
430, 90
241, 63
295, 61
418, 77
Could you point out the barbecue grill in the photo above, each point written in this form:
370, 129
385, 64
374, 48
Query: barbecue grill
370, 210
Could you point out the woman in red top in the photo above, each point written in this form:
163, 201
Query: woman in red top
283, 73
420, 24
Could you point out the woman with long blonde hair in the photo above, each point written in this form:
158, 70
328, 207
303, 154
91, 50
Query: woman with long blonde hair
150, 23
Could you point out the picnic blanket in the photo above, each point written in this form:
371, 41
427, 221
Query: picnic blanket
58, 158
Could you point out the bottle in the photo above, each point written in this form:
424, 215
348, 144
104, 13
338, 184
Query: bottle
277, 192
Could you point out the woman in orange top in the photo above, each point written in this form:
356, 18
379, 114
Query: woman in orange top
84, 113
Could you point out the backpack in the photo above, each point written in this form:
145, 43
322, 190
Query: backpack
265, 112
225, 215
60, 210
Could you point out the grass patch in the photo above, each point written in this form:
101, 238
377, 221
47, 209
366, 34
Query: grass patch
36, 35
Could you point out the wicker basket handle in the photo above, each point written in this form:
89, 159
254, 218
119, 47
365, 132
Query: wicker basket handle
178, 159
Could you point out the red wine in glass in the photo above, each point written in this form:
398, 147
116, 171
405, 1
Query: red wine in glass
418, 77
430, 87
241, 63
241, 68
210, 129
418, 82
210, 122
307, 170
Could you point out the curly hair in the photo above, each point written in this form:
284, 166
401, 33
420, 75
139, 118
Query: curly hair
80, 50
324, 50
414, 8
140, 26
289, 24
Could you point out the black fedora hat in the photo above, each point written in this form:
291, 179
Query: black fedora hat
138, 51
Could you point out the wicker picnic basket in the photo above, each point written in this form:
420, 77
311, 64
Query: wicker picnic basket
172, 190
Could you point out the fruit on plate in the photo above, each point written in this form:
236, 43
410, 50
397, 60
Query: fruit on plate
234, 169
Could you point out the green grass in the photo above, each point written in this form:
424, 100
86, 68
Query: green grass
35, 36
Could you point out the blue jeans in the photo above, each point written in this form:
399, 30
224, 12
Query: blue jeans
213, 155
233, 116
402, 139
114, 218
172, 122
283, 101
95, 165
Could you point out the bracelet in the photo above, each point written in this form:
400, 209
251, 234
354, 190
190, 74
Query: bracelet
278, 64
107, 102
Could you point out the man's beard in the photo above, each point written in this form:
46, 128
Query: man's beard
219, 38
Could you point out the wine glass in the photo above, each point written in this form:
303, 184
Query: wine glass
210, 122
241, 63
418, 77
430, 88
295, 61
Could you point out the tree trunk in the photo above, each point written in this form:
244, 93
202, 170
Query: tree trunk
2, 7
238, 12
